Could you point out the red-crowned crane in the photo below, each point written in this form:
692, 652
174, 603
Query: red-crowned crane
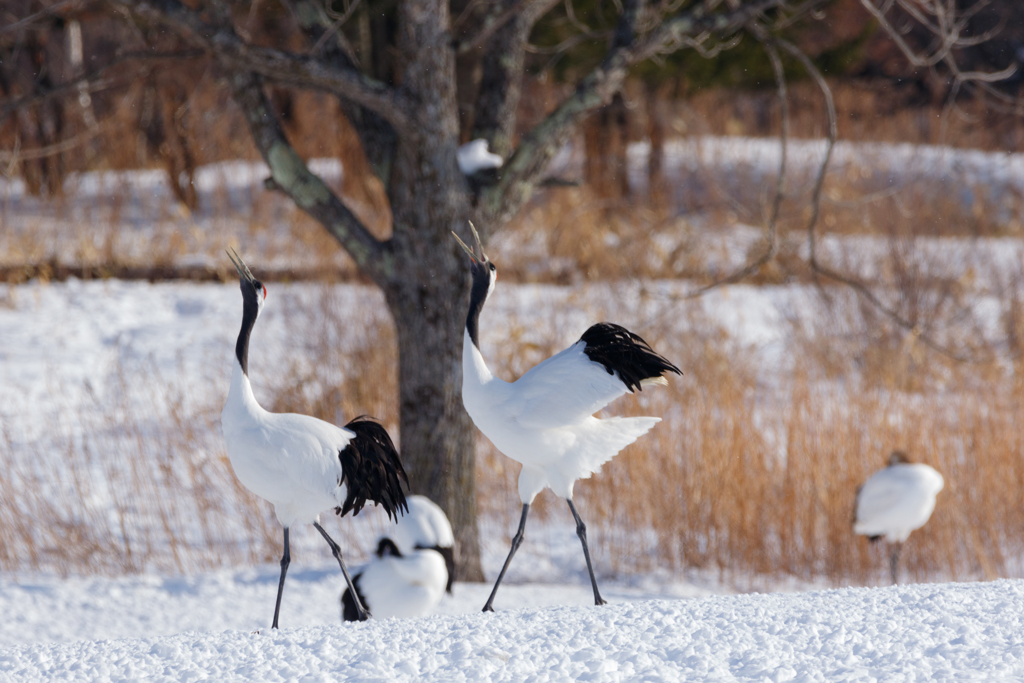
413, 567
895, 501
299, 464
545, 419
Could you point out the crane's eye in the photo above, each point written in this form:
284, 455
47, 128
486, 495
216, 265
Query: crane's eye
492, 266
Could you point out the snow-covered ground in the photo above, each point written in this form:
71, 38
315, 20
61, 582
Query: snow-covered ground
949, 632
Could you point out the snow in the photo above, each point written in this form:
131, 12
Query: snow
475, 156
910, 633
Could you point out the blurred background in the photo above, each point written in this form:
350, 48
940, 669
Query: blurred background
823, 315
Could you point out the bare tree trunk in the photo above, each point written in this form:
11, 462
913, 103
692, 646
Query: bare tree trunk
438, 438
428, 295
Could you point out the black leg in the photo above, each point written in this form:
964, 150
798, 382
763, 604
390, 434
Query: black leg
286, 559
894, 561
516, 540
363, 613
581, 531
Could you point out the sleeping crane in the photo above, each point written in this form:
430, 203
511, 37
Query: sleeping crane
299, 464
544, 420
895, 501
413, 567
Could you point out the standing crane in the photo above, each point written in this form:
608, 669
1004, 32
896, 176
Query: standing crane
299, 464
544, 420
895, 501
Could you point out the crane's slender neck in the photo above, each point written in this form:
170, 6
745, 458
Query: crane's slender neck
240, 393
475, 372
477, 298
250, 311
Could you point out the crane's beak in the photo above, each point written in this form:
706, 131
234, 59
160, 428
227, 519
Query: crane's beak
477, 258
243, 270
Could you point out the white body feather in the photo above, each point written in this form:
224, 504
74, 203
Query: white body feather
290, 460
407, 586
897, 500
424, 525
545, 421
474, 156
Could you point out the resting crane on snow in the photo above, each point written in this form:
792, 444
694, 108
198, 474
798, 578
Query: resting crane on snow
413, 567
895, 501
300, 464
544, 420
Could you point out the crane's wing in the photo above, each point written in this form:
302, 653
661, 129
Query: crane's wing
879, 498
308, 449
562, 391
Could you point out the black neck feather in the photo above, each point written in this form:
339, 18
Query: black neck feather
250, 310
477, 297
387, 547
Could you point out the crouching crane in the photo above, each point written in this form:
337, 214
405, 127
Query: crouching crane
413, 567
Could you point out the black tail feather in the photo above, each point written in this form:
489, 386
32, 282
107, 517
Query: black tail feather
348, 605
372, 470
620, 351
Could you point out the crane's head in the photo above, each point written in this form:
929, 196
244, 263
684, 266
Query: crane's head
898, 458
254, 293
484, 272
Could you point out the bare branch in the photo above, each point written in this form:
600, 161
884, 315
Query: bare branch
497, 102
50, 11
291, 175
491, 26
771, 228
276, 65
377, 136
523, 170
333, 30
93, 80
14, 156
816, 198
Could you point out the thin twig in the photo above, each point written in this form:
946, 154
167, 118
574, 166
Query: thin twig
52, 9
771, 229
335, 27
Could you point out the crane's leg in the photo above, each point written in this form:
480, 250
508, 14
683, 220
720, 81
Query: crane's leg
516, 540
286, 559
581, 531
363, 613
894, 561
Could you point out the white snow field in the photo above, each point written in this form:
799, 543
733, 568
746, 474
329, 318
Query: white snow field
950, 632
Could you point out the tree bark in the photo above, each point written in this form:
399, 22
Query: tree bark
428, 296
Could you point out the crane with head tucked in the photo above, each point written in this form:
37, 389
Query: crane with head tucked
896, 501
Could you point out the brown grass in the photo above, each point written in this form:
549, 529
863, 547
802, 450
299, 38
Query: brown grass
752, 472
